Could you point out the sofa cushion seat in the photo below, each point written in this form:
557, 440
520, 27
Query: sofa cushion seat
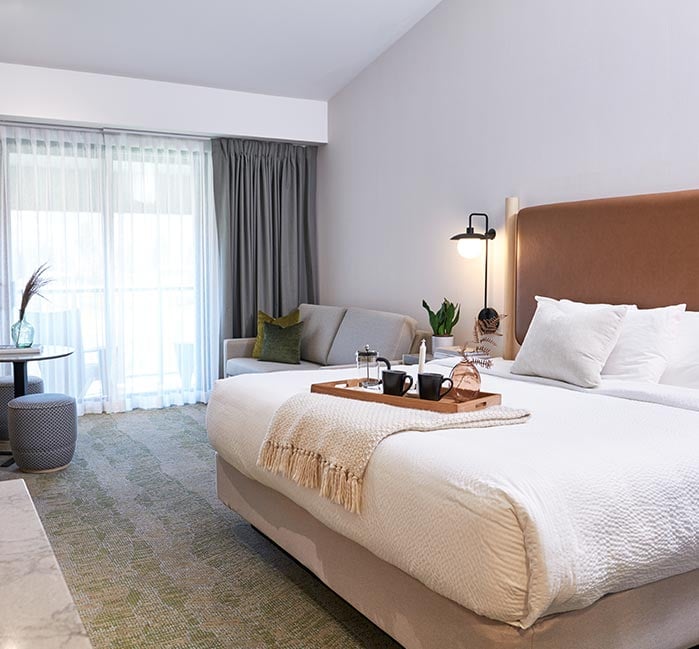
235, 366
390, 334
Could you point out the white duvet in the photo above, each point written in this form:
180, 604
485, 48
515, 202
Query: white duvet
597, 493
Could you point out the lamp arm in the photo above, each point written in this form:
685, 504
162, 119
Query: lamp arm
472, 214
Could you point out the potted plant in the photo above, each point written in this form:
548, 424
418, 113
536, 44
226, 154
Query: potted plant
442, 323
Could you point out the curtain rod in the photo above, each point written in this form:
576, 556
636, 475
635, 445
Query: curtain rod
93, 129
125, 131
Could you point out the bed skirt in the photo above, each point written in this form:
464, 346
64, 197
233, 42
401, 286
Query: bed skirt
661, 615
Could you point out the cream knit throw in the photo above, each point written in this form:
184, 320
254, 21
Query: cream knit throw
325, 442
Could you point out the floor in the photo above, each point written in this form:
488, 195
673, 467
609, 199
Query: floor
153, 559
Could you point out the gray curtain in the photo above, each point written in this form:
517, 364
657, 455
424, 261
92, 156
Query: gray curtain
264, 193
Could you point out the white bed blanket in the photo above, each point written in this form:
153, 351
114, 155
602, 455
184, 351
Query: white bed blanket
595, 494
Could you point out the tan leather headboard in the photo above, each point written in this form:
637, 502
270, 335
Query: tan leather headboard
632, 250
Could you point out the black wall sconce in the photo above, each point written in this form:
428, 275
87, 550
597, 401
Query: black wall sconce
469, 245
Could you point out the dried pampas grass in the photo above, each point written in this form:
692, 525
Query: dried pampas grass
34, 286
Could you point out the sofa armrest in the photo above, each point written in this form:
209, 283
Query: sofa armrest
237, 348
421, 334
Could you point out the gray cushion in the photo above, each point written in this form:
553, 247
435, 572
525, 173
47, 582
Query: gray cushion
236, 366
320, 324
391, 334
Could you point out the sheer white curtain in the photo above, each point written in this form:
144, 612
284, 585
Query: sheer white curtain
126, 223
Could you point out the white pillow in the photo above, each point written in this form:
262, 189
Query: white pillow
683, 364
645, 343
570, 346
585, 305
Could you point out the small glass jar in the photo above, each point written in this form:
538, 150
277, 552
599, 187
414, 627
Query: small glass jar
467, 381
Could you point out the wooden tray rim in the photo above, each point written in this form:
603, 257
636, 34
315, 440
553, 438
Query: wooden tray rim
445, 405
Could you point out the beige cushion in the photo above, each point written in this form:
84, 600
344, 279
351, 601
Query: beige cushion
320, 324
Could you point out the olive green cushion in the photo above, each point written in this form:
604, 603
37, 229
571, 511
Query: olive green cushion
282, 344
290, 318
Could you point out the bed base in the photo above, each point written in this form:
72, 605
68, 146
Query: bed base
662, 615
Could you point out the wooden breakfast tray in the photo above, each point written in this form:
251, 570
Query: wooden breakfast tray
349, 389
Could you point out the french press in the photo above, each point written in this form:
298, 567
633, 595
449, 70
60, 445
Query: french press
368, 366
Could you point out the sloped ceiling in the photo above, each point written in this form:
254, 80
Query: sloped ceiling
294, 48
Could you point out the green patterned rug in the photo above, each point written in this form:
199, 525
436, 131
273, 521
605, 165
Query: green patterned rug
153, 559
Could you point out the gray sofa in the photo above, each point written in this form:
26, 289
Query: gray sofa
331, 336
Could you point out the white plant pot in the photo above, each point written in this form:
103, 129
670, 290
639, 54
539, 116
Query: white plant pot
441, 341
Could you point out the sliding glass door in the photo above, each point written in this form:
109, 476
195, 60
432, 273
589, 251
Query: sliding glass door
126, 224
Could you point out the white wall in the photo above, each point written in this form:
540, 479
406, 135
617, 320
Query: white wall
543, 99
61, 96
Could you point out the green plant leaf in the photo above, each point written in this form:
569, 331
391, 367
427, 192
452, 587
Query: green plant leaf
444, 320
441, 319
433, 317
457, 315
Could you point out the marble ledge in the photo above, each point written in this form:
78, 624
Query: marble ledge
36, 607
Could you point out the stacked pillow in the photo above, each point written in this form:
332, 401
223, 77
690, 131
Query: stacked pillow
579, 343
683, 365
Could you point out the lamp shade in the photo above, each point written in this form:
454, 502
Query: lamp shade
469, 248
469, 242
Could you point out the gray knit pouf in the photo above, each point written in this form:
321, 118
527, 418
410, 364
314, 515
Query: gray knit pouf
35, 385
43, 431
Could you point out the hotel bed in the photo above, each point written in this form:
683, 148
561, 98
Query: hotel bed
577, 529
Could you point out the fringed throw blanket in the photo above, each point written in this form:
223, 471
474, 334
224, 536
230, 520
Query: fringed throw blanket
325, 442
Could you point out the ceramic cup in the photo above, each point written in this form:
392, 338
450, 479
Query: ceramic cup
429, 386
394, 382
